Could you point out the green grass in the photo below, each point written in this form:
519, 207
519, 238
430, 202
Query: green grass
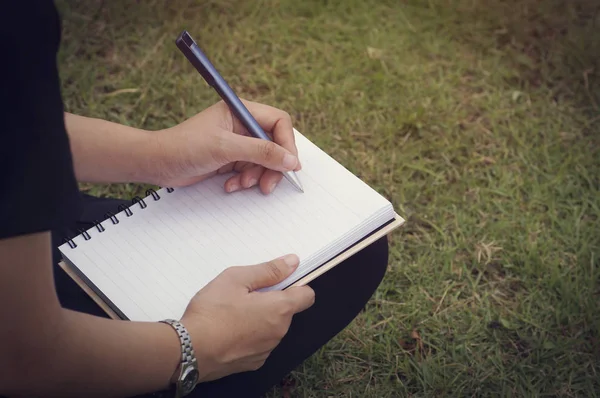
479, 120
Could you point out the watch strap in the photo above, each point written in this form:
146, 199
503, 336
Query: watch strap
187, 352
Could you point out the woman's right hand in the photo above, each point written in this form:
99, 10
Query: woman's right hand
233, 327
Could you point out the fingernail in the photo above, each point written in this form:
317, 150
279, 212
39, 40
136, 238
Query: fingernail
252, 182
271, 187
289, 161
233, 187
291, 260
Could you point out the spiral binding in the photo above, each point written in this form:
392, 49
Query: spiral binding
84, 233
113, 217
141, 201
71, 243
153, 193
126, 209
99, 226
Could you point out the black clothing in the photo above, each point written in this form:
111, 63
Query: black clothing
37, 182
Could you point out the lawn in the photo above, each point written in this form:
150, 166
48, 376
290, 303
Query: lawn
479, 120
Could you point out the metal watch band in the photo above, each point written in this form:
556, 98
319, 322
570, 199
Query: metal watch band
187, 351
188, 373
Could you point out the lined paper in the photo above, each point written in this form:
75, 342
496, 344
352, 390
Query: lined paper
150, 264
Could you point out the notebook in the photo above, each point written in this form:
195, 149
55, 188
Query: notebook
146, 261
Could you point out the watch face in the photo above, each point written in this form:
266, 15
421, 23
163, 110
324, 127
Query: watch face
189, 380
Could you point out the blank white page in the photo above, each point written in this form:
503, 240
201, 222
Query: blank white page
150, 264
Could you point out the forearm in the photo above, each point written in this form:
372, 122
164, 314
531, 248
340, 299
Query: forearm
104, 151
92, 356
46, 350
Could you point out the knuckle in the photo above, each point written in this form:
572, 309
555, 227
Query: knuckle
286, 116
268, 150
266, 355
273, 323
274, 270
282, 330
279, 327
287, 307
230, 271
310, 294
257, 365
227, 271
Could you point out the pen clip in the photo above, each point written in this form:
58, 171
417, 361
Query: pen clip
192, 52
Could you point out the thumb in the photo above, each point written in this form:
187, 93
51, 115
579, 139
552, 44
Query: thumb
267, 274
262, 152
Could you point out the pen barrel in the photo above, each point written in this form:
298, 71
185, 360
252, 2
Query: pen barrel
237, 107
216, 81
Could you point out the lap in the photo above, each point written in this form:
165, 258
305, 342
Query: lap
341, 293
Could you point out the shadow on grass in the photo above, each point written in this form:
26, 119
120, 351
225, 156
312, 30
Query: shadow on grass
552, 43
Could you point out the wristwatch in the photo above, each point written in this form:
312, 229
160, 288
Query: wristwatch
188, 368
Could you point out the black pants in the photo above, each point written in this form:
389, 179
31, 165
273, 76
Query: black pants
341, 294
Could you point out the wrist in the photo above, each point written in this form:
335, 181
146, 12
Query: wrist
148, 158
173, 362
106, 151
203, 347
157, 160
186, 374
175, 375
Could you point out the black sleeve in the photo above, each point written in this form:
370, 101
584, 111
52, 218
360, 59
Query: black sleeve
38, 190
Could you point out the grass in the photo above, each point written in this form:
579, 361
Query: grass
479, 120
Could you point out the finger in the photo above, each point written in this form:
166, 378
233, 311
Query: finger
275, 122
244, 180
302, 297
234, 166
251, 176
255, 365
261, 355
233, 184
259, 276
227, 168
241, 166
283, 133
269, 181
261, 152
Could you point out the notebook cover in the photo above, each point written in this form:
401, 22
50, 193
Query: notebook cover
381, 232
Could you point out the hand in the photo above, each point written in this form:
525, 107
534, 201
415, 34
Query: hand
214, 141
233, 327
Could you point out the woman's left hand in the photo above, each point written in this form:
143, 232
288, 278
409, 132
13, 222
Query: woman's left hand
214, 141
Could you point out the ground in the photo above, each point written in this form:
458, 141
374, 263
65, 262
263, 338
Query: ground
479, 120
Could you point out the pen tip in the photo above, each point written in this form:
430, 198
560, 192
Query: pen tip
298, 184
293, 179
